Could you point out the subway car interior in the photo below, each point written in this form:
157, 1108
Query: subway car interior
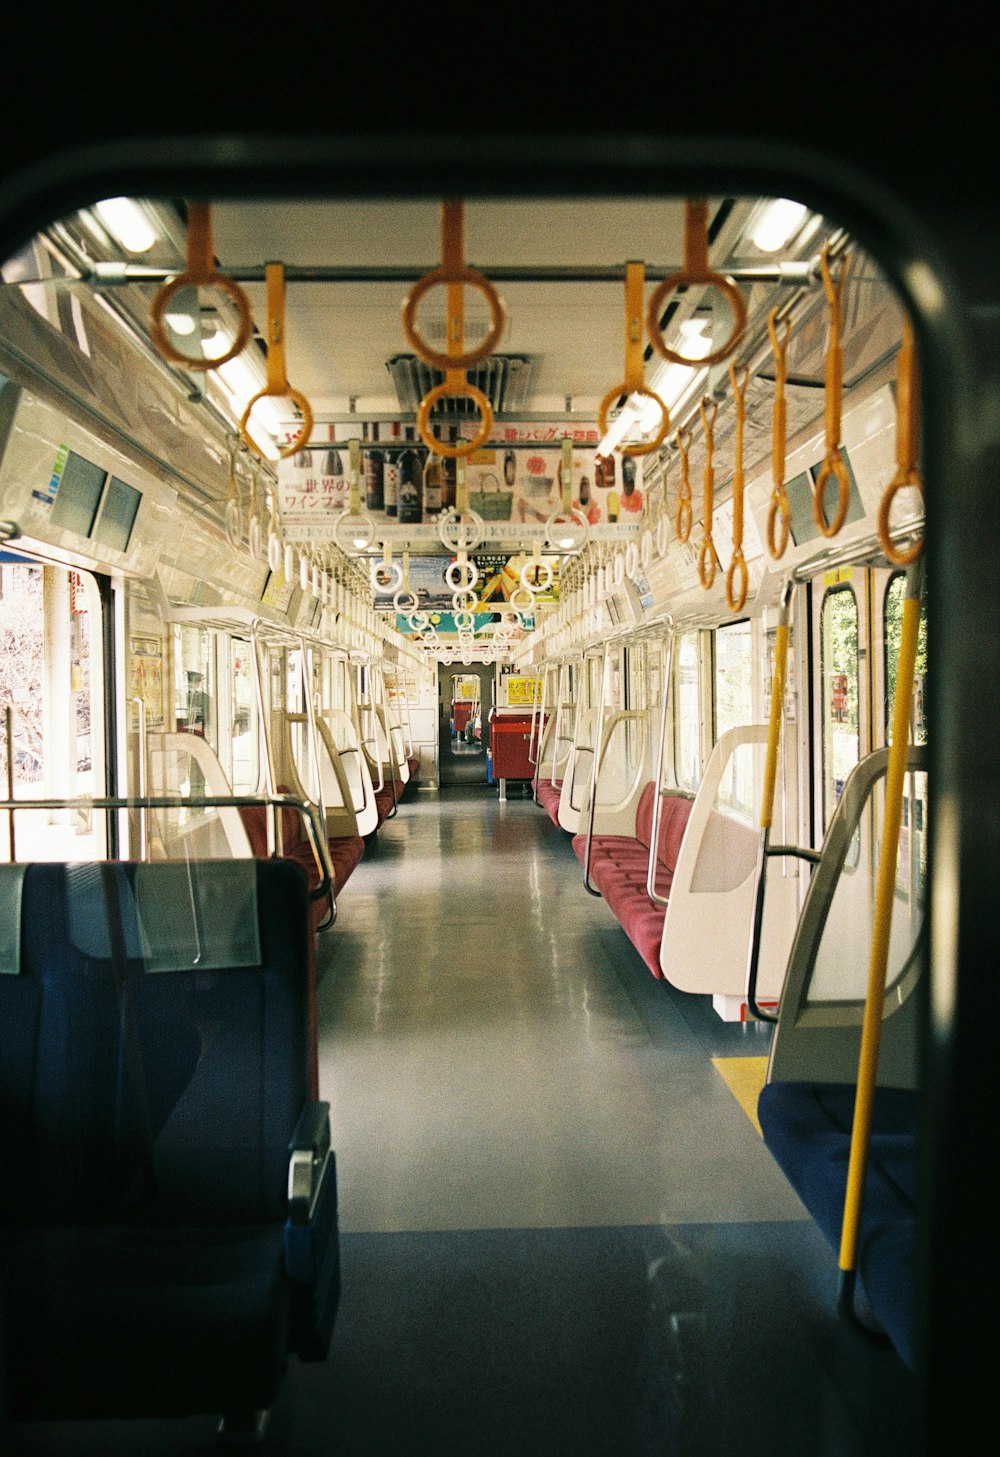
482, 936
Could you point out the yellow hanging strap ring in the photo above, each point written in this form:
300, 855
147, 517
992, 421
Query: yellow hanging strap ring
706, 551
779, 508
634, 381
834, 466
453, 271
199, 273
277, 381
907, 447
684, 519
696, 270
736, 596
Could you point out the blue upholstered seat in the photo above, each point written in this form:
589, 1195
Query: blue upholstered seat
807, 1127
154, 1071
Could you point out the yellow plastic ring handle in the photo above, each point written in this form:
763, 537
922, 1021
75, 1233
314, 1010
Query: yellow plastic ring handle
779, 507
681, 279
160, 307
737, 570
297, 398
706, 562
637, 389
894, 553
468, 277
833, 465
199, 273
449, 391
684, 519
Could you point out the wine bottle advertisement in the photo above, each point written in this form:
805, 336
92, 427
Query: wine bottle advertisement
515, 478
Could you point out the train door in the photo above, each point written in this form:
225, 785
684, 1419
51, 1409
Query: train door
465, 701
52, 708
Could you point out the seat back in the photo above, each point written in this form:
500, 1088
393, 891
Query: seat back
154, 1043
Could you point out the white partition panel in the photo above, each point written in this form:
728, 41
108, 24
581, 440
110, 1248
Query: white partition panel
706, 933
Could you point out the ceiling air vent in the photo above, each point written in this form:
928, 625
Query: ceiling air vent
503, 378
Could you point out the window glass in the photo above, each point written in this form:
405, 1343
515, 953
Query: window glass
733, 689
893, 622
194, 683
839, 702
244, 707
687, 731
47, 626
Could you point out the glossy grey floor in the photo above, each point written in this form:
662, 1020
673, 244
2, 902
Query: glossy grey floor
496, 1055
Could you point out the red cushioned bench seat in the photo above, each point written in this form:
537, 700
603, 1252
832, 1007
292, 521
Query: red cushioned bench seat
548, 797
619, 865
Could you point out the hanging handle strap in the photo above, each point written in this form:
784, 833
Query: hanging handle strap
634, 382
684, 518
907, 448
277, 379
779, 509
454, 275
706, 550
737, 577
885, 890
834, 464
200, 272
696, 270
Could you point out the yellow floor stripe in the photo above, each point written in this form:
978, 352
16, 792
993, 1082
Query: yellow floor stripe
744, 1077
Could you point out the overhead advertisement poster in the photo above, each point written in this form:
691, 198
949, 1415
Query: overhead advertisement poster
514, 477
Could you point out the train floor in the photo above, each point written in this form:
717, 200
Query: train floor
561, 1232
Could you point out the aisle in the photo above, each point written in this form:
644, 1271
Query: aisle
497, 1056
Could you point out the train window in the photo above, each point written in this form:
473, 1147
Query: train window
687, 714
194, 683
841, 737
733, 679
245, 758
50, 660
893, 620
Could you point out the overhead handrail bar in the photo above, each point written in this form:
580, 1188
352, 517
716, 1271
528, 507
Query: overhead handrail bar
454, 274
598, 732
634, 382
737, 576
779, 507
277, 378
273, 802
667, 679
706, 548
200, 272
696, 270
907, 448
871, 1028
109, 274
833, 462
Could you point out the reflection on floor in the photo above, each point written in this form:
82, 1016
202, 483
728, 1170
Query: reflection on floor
561, 1232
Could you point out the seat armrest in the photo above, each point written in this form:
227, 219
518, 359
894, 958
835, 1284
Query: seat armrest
309, 1155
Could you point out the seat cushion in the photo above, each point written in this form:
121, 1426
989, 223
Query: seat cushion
143, 1322
807, 1127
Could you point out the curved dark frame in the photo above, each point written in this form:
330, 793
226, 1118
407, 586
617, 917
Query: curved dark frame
940, 254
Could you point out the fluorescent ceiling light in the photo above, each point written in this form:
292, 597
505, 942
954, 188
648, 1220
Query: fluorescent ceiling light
127, 222
180, 323
779, 220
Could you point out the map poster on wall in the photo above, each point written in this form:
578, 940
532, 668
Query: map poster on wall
145, 676
522, 692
